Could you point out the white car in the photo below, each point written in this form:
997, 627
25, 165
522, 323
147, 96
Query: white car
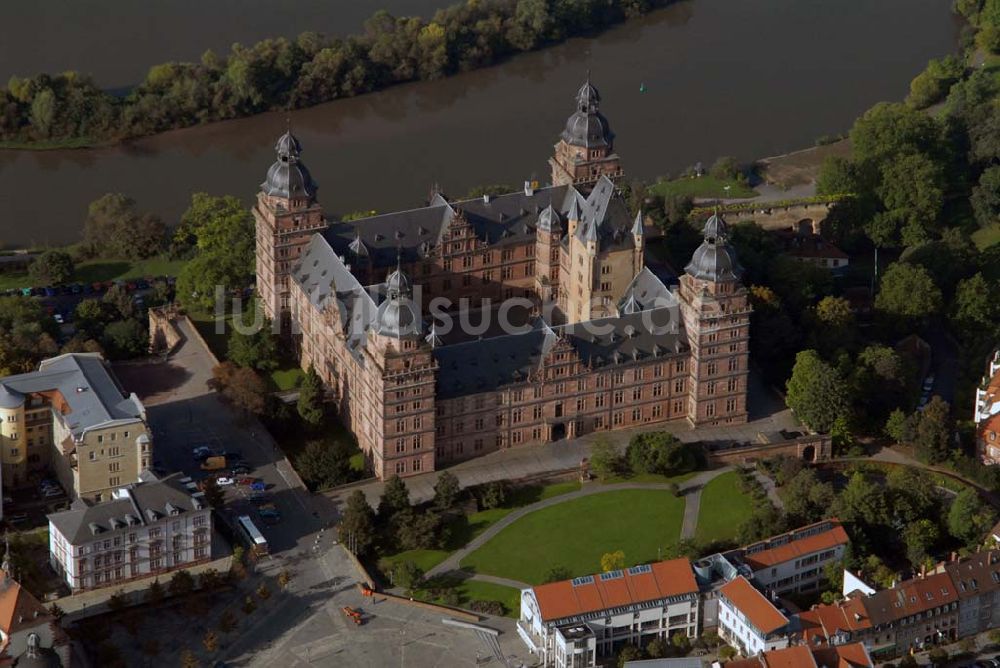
59, 319
224, 481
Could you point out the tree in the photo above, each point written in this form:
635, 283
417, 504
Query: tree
659, 452
837, 176
985, 197
834, 324
155, 593
912, 493
407, 575
862, 501
116, 228
725, 168
310, 405
446, 490
258, 350
494, 494
932, 84
556, 574
56, 612
284, 578
938, 656
189, 660
975, 309
604, 458
210, 641
628, 653
125, 338
227, 621
241, 387
912, 191
888, 130
117, 601
681, 643
806, 498
53, 267
249, 605
816, 392
900, 427
764, 521
657, 648
613, 561
119, 303
357, 525
323, 465
221, 230
214, 494
395, 498
181, 584
920, 537
908, 293
933, 434
969, 518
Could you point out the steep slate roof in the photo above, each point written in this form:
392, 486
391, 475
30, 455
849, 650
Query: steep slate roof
758, 610
85, 383
592, 593
797, 547
910, 597
144, 504
646, 291
487, 364
497, 221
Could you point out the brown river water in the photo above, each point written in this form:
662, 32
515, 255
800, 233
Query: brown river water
722, 77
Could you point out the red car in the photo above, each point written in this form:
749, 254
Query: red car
245, 480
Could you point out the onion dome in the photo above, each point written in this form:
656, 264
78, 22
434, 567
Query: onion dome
288, 176
587, 127
397, 284
715, 259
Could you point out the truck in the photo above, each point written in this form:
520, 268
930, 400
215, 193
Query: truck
214, 463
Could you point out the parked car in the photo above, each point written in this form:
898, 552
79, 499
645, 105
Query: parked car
213, 463
59, 319
270, 515
240, 469
246, 480
201, 452
224, 481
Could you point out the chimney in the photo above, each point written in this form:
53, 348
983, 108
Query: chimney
923, 571
528, 190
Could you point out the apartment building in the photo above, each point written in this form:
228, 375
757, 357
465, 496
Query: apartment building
72, 417
572, 623
986, 413
144, 529
845, 656
748, 621
977, 581
794, 561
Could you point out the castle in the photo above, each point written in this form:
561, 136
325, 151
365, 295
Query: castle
604, 340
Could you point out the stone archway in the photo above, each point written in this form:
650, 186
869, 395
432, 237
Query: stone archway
809, 453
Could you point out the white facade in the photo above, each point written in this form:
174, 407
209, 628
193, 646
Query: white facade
801, 574
129, 545
634, 624
987, 404
740, 633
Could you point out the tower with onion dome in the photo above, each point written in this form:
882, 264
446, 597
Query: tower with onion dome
586, 149
287, 214
716, 312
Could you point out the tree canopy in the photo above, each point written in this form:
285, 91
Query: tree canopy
221, 231
816, 391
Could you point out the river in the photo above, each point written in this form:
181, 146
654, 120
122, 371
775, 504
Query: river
722, 77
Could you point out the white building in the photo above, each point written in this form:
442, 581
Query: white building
572, 622
794, 561
748, 621
147, 528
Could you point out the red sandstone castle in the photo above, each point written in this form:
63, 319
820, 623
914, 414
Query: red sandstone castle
606, 341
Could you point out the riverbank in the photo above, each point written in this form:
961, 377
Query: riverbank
51, 110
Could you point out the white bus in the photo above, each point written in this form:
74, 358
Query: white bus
258, 545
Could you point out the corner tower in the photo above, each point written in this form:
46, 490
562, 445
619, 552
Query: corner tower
287, 215
585, 150
716, 313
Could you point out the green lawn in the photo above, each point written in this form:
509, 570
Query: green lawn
649, 477
92, 271
575, 534
471, 590
703, 186
986, 236
724, 507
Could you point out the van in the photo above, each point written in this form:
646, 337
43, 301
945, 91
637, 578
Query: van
214, 463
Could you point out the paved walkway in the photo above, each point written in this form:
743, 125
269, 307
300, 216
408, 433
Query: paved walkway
772, 492
690, 487
533, 461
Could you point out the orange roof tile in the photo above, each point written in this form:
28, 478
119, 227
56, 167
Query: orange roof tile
842, 656
754, 605
17, 606
801, 547
558, 600
853, 655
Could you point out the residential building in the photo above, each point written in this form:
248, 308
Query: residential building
794, 561
804, 243
977, 581
845, 656
72, 417
144, 529
748, 621
912, 616
835, 624
27, 630
573, 622
674, 662
610, 342
987, 413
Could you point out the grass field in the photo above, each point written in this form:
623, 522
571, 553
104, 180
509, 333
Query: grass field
103, 270
703, 186
575, 534
724, 507
986, 236
471, 590
649, 477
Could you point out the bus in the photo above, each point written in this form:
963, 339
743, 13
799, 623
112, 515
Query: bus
256, 541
